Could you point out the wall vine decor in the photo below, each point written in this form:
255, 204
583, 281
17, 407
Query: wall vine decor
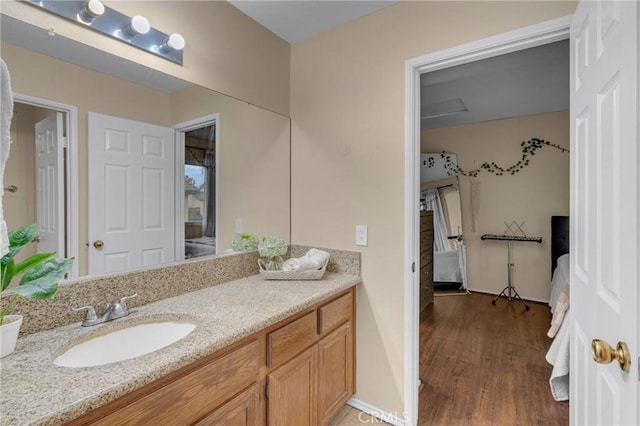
529, 148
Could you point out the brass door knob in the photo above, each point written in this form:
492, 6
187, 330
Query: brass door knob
603, 353
98, 244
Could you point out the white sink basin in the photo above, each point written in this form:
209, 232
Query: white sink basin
129, 341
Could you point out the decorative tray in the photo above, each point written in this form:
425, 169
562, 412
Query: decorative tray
314, 274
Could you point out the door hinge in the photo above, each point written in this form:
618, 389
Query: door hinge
413, 267
64, 142
266, 391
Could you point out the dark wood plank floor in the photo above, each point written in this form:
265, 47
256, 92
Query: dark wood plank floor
484, 365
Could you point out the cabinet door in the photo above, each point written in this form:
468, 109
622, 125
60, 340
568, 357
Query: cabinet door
335, 372
292, 395
240, 411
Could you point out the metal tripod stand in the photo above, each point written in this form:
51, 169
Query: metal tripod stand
509, 292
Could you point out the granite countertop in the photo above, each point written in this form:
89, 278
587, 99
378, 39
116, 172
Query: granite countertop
37, 392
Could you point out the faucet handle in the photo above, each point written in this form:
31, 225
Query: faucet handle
91, 312
124, 299
120, 308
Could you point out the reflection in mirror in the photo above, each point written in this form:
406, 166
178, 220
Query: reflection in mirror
218, 166
440, 193
199, 192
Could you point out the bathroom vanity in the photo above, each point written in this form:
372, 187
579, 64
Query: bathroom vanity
263, 352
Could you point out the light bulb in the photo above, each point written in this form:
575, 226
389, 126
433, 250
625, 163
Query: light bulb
139, 25
174, 42
91, 10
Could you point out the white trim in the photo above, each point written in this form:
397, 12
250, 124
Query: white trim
523, 38
375, 412
179, 187
71, 172
181, 129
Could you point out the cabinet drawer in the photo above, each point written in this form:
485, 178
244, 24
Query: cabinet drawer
426, 273
194, 395
426, 240
426, 256
334, 313
291, 339
240, 411
426, 222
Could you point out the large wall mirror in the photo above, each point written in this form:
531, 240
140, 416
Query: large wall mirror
124, 167
440, 193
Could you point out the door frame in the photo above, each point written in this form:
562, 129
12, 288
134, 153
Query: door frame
181, 129
70, 172
523, 38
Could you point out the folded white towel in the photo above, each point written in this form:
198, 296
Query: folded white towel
314, 259
317, 258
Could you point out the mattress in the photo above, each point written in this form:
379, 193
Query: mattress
446, 266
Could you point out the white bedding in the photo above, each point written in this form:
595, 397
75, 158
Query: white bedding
446, 266
558, 354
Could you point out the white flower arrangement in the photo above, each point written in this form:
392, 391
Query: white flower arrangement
271, 247
242, 242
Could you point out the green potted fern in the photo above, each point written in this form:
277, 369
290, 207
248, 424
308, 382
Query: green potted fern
39, 274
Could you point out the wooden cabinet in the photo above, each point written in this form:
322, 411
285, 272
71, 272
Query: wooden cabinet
335, 372
426, 259
240, 411
311, 387
292, 391
190, 397
299, 371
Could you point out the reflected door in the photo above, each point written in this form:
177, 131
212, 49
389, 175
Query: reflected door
131, 194
50, 184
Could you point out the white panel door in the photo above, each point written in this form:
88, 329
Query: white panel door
131, 194
50, 184
604, 209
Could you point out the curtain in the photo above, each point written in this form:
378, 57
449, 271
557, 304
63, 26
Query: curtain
210, 193
6, 112
440, 233
474, 201
462, 262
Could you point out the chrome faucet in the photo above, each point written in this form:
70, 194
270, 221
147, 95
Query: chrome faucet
113, 311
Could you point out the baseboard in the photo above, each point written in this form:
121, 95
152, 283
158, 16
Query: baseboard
495, 293
379, 415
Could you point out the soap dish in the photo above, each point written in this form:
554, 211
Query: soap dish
315, 274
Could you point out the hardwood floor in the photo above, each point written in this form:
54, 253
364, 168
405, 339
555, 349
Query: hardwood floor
484, 365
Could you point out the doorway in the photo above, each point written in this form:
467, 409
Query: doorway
524, 38
197, 146
200, 192
41, 184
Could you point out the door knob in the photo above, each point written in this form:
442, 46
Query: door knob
603, 353
98, 244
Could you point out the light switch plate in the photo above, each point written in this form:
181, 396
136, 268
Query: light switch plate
238, 226
362, 238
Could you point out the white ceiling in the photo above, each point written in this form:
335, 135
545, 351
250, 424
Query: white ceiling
294, 21
526, 82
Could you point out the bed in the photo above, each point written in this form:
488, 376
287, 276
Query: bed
449, 267
558, 353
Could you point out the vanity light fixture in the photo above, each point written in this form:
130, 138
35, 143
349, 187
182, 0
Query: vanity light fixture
135, 31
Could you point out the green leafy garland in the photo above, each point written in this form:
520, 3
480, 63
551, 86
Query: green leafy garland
529, 148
